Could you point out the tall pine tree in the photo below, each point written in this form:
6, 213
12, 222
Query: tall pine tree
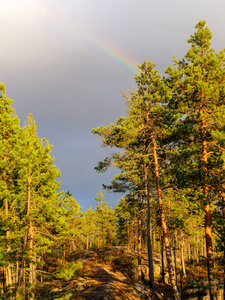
198, 89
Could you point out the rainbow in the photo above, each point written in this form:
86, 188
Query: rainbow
111, 52
115, 54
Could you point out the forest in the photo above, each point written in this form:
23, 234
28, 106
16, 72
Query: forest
169, 151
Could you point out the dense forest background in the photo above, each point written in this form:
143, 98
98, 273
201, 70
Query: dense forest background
169, 150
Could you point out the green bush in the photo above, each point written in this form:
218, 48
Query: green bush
68, 271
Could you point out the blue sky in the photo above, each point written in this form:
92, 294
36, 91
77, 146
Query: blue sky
66, 62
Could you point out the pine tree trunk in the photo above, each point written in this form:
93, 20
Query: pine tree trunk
92, 240
150, 258
32, 275
27, 230
223, 210
162, 258
8, 273
209, 252
139, 236
182, 257
98, 242
163, 223
197, 250
128, 234
175, 259
189, 251
223, 216
208, 221
32, 272
103, 235
133, 236
224, 273
153, 241
17, 270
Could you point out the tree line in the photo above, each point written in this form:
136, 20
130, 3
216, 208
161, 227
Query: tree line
170, 146
39, 225
35, 217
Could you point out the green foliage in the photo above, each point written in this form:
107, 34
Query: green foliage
3, 258
34, 218
2, 88
66, 297
178, 120
68, 271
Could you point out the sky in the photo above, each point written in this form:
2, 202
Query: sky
66, 62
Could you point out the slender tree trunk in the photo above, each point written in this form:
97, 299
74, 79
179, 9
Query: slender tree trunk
197, 250
23, 257
162, 258
8, 273
17, 269
153, 241
139, 236
133, 236
26, 235
150, 258
208, 221
87, 242
209, 250
189, 251
223, 210
32, 258
175, 258
103, 235
182, 257
224, 273
32, 276
98, 238
163, 222
202, 244
8, 268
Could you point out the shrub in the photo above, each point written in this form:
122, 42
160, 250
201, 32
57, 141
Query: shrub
68, 271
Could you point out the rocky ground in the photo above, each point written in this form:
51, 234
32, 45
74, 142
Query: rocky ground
110, 275
99, 280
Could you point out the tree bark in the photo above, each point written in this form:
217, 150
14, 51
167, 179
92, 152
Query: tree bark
223, 210
174, 255
208, 220
32, 258
162, 258
8, 271
150, 258
182, 257
163, 222
209, 252
133, 237
139, 236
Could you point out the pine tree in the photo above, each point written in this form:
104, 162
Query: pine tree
141, 135
37, 187
66, 224
101, 210
198, 92
10, 139
90, 230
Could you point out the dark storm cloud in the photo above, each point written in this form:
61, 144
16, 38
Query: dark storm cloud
54, 66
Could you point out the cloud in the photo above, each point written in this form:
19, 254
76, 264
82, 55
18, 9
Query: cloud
66, 62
